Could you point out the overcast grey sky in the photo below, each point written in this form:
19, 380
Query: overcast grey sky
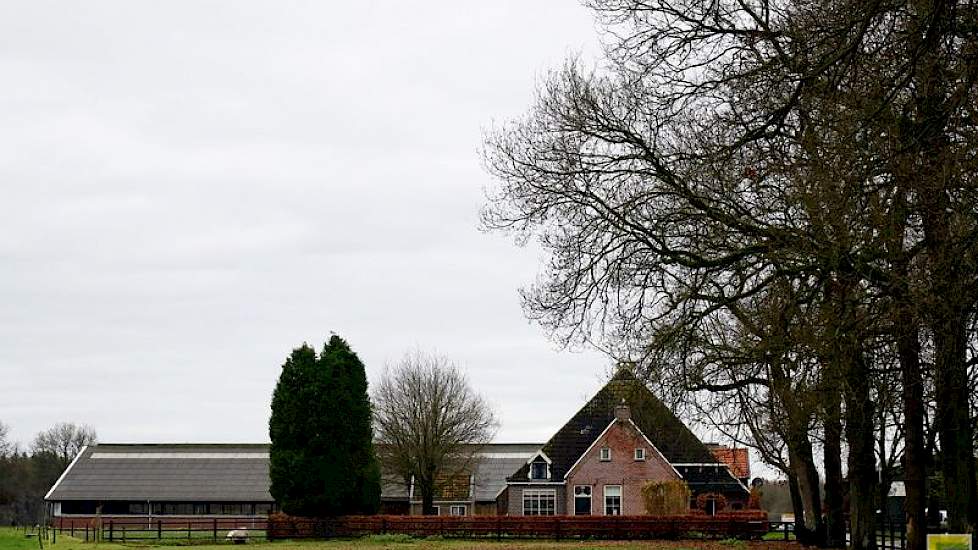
192, 189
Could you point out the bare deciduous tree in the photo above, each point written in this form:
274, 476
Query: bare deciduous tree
7, 447
429, 423
732, 145
64, 440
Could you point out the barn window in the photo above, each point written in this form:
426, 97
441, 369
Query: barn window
639, 454
605, 454
457, 510
538, 470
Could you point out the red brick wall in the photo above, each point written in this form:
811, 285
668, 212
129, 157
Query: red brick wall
622, 438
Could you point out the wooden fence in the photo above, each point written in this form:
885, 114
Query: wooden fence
734, 524
145, 529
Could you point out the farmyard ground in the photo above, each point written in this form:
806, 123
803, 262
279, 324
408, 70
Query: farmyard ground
14, 539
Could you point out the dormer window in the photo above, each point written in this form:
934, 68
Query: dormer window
639, 454
539, 467
605, 454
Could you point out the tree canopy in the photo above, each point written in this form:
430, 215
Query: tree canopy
773, 203
430, 424
322, 460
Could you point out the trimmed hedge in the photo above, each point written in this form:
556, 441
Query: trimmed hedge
742, 524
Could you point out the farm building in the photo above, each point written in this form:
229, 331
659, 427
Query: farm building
163, 482
624, 437
595, 464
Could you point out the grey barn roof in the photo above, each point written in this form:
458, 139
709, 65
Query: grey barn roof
496, 463
190, 472
225, 473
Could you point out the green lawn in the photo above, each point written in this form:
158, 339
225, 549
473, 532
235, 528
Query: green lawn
13, 539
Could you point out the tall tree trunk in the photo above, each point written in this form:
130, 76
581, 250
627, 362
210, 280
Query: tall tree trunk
803, 465
835, 528
862, 458
852, 364
801, 459
954, 426
797, 507
914, 453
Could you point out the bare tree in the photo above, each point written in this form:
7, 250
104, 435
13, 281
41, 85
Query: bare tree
731, 144
7, 447
429, 423
64, 440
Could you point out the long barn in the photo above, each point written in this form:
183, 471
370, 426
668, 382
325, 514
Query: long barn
164, 481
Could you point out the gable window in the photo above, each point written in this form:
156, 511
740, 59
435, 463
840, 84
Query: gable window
458, 510
538, 470
605, 454
639, 454
582, 500
612, 500
539, 502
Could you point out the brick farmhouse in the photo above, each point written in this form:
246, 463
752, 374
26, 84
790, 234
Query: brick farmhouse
624, 437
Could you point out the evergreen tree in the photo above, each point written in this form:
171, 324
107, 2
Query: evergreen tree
322, 457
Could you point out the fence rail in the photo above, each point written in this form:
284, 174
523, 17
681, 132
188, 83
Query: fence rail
744, 525
136, 529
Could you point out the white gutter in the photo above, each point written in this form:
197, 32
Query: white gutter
63, 474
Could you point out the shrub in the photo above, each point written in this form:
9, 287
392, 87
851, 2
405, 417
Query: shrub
666, 498
389, 538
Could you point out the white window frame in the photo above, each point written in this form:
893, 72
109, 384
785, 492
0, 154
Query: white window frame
539, 495
621, 498
437, 510
590, 499
604, 455
546, 470
640, 454
461, 508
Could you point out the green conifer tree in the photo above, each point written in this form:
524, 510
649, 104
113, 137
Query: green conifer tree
322, 458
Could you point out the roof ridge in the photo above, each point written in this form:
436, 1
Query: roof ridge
238, 445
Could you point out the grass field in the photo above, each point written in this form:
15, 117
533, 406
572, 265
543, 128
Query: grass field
14, 539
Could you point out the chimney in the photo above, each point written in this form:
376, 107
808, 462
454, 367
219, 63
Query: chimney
622, 412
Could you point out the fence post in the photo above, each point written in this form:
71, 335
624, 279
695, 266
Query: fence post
215, 529
54, 535
159, 529
86, 533
499, 527
71, 528
188, 530
111, 529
